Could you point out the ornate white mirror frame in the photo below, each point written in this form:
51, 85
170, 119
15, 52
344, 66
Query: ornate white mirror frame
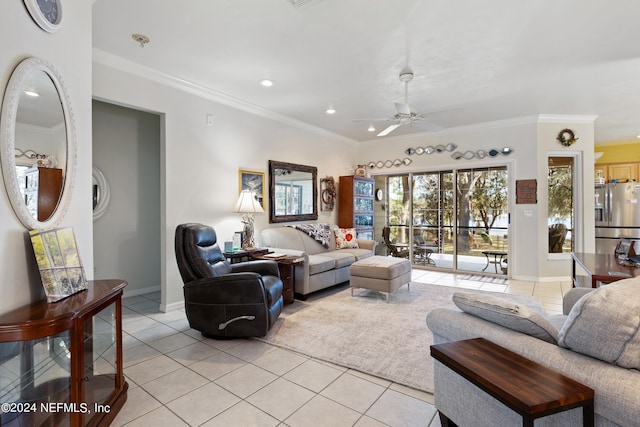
101, 193
8, 119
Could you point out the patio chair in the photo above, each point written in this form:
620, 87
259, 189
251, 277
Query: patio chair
391, 246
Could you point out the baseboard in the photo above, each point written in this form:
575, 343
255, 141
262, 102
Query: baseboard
142, 291
542, 279
173, 306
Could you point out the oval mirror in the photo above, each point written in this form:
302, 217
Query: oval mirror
37, 143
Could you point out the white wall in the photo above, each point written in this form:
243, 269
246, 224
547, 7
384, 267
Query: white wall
126, 149
69, 51
532, 139
199, 163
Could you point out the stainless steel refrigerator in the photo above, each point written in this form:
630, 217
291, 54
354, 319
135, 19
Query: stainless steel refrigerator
617, 215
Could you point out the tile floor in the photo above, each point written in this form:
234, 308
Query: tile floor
179, 378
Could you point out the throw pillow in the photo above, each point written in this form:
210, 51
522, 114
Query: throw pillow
346, 238
507, 313
605, 324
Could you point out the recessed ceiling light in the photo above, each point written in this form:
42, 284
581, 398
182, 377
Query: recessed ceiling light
266, 82
331, 110
31, 93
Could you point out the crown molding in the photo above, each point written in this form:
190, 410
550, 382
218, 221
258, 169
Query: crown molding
566, 118
128, 66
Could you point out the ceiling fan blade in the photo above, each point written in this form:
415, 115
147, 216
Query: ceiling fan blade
388, 130
403, 108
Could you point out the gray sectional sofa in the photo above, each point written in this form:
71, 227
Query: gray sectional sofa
322, 267
598, 344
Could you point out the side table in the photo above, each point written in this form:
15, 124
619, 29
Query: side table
287, 267
498, 256
524, 386
244, 255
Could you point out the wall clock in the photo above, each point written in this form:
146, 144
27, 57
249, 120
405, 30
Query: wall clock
46, 13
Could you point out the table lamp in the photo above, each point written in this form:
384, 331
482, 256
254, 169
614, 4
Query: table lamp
248, 205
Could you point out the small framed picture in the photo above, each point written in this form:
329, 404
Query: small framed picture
254, 181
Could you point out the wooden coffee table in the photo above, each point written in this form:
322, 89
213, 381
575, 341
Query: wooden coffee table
526, 387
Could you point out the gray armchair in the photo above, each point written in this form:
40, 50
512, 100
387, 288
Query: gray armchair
224, 300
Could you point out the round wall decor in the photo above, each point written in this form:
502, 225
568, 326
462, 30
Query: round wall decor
46, 13
566, 137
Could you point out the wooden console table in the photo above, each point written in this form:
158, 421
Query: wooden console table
61, 362
526, 387
603, 268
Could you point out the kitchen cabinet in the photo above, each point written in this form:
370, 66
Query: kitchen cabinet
622, 172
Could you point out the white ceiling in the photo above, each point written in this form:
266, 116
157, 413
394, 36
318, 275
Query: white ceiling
474, 61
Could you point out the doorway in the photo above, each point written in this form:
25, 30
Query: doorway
127, 242
455, 220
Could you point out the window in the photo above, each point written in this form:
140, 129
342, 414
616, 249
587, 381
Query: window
561, 204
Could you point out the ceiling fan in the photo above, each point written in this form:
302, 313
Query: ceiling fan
405, 114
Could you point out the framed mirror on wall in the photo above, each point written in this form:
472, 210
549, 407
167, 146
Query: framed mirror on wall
37, 144
293, 192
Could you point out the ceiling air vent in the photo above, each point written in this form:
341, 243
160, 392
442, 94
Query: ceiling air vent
303, 4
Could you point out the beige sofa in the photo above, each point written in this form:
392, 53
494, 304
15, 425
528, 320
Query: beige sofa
322, 267
598, 333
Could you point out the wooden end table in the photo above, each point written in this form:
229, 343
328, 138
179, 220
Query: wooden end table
526, 387
244, 255
287, 268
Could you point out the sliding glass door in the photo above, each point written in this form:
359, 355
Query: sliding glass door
482, 220
452, 219
433, 217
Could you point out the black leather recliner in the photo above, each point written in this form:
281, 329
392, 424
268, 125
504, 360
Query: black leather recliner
224, 300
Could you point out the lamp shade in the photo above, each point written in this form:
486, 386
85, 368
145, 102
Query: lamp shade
247, 203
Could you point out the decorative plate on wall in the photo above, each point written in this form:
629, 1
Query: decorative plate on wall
46, 13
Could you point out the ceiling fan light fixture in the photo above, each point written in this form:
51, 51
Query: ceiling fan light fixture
330, 110
266, 82
371, 128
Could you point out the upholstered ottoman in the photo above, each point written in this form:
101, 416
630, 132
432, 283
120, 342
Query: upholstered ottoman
380, 273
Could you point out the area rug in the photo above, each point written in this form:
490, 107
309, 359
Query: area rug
365, 333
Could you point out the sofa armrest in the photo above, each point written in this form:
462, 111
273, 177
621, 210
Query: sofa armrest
286, 251
367, 244
572, 297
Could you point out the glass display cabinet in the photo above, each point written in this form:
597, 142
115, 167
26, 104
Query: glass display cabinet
355, 205
61, 363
